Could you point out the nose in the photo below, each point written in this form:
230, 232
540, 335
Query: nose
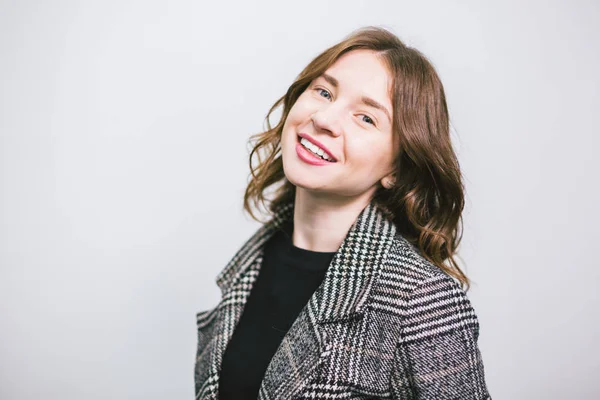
328, 119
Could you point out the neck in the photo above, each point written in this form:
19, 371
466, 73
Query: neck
322, 222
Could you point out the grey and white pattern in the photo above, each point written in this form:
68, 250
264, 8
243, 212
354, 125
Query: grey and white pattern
384, 324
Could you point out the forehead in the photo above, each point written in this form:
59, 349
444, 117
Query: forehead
362, 71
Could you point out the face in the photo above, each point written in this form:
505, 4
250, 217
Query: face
347, 112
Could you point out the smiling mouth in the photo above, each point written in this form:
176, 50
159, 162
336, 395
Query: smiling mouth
331, 160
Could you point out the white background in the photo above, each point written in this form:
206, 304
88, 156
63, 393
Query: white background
123, 161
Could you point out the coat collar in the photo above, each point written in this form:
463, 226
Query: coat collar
343, 295
354, 267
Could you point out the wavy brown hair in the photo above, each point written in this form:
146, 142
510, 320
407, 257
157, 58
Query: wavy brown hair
427, 198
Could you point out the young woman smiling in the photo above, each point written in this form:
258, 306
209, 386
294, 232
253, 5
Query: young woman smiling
350, 289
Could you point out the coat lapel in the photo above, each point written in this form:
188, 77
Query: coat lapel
236, 281
342, 295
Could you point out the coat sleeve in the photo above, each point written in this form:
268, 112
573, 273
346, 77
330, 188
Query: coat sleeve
437, 356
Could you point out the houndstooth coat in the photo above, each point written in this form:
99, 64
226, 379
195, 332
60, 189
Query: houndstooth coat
384, 324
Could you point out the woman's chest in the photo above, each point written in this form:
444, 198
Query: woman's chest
351, 358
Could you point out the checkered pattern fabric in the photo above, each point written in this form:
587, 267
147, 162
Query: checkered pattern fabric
384, 324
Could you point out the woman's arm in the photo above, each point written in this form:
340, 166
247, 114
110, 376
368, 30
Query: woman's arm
437, 356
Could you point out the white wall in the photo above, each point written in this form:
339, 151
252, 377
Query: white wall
123, 160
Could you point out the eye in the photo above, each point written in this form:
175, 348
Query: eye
321, 91
368, 119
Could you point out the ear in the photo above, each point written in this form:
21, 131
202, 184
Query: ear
388, 181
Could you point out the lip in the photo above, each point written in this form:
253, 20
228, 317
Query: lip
308, 157
317, 143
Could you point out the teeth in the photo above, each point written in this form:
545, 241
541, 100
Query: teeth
315, 149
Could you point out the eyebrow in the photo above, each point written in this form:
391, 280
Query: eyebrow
364, 99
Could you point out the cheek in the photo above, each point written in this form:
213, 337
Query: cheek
301, 110
360, 153
292, 122
366, 153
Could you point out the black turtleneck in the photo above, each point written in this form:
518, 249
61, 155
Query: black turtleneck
288, 277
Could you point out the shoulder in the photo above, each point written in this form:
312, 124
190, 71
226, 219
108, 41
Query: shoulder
408, 272
244, 255
436, 332
424, 298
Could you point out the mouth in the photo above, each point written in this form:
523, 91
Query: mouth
331, 158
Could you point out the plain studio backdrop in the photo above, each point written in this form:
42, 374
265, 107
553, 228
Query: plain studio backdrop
123, 161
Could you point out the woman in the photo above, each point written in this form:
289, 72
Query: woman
350, 289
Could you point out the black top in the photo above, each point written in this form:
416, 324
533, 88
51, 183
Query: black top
288, 277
